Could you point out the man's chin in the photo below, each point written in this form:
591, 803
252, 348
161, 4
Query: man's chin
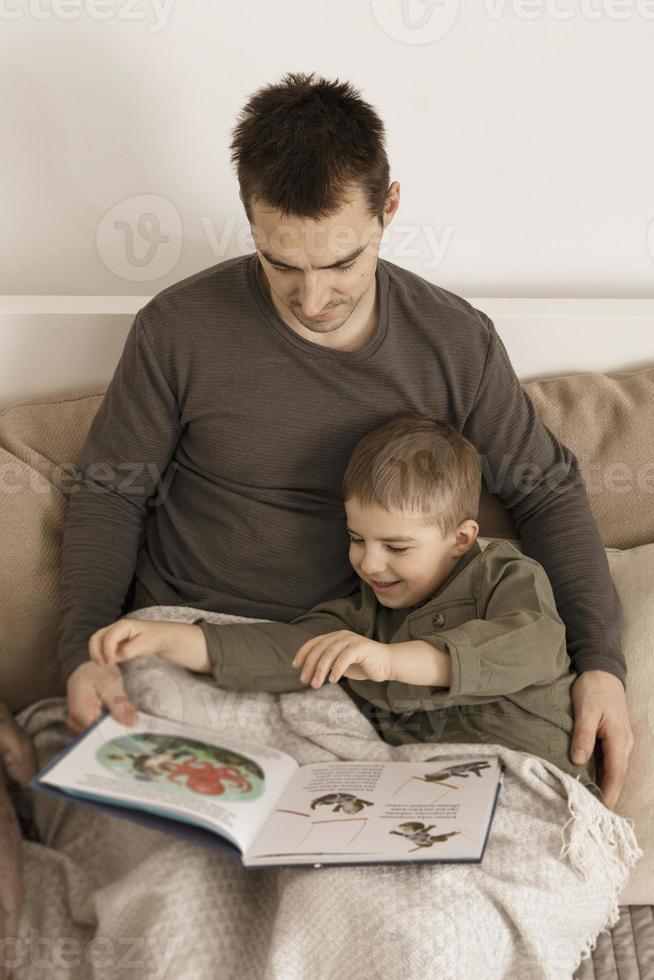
324, 326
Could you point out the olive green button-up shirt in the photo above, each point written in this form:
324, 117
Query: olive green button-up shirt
494, 615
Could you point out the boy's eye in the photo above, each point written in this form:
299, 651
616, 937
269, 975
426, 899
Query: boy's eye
396, 551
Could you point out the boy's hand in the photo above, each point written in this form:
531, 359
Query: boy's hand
181, 643
128, 638
343, 654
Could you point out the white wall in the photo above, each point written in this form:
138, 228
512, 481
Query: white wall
521, 134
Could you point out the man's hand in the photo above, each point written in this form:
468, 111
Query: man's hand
343, 654
91, 686
600, 710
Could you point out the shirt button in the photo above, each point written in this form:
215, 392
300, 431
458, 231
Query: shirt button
438, 620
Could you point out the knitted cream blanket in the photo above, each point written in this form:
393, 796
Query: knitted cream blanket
106, 898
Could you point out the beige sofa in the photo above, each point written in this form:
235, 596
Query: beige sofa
606, 419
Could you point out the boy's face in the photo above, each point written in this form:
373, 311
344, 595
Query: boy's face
415, 567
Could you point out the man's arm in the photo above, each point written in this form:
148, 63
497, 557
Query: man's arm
128, 447
539, 481
552, 514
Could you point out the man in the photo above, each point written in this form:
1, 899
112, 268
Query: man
211, 472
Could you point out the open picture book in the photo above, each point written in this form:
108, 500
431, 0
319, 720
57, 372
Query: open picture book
257, 803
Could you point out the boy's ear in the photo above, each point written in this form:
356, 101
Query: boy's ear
466, 534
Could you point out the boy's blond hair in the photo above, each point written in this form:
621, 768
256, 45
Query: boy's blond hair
418, 467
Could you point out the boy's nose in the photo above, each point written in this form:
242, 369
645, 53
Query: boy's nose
369, 566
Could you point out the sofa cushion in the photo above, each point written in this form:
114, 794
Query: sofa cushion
607, 420
37, 438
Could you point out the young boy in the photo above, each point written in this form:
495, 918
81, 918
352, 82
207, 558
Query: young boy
444, 641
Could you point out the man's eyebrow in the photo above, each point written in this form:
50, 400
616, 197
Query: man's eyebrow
385, 540
348, 258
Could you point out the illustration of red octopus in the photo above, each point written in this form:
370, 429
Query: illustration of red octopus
206, 778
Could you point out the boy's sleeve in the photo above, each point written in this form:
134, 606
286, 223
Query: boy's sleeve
519, 643
539, 481
257, 656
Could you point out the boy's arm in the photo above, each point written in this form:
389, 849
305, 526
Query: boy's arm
258, 656
521, 642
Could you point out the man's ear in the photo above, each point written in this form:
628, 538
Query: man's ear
392, 202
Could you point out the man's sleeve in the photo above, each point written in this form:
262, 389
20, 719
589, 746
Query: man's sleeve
127, 450
257, 656
539, 481
520, 642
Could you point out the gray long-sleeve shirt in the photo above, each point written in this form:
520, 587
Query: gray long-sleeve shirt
213, 466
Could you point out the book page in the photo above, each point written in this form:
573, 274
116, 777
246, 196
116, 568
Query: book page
193, 774
399, 811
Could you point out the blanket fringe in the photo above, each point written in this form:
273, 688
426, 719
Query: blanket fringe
599, 836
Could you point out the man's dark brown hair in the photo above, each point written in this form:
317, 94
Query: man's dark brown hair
299, 145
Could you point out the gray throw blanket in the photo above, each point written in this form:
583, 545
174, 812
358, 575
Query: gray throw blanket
106, 898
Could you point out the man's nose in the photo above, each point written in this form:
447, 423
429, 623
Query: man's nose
314, 296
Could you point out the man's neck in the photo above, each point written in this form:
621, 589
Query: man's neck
355, 334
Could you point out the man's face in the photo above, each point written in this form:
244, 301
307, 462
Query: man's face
319, 272
417, 566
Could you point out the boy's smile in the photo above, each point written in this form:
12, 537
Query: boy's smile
403, 560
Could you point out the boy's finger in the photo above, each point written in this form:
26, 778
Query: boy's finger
310, 665
125, 640
304, 651
102, 643
95, 646
316, 645
321, 667
110, 638
344, 660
